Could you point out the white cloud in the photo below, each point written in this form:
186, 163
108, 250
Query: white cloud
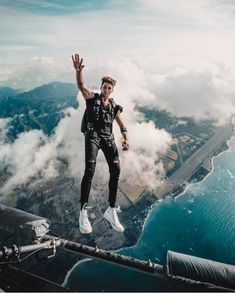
194, 94
19, 157
177, 55
147, 24
4, 124
184, 85
33, 155
212, 13
40, 152
34, 72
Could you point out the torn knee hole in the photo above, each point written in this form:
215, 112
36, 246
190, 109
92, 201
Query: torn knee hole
116, 161
91, 161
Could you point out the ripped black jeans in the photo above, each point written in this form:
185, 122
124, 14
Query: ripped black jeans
109, 148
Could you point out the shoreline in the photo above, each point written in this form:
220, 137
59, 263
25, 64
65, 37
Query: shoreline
134, 217
63, 284
159, 201
179, 193
212, 166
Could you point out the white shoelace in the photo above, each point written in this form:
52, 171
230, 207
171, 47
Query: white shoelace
118, 209
86, 207
84, 218
115, 216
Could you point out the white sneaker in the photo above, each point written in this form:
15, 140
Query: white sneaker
84, 224
111, 216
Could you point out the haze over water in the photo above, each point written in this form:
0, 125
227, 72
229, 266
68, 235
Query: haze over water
200, 222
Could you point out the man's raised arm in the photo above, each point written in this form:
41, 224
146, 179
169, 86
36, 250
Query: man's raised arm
78, 65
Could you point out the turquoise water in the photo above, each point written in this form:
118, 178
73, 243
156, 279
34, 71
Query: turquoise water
200, 222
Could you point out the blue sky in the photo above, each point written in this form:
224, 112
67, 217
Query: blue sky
52, 28
160, 36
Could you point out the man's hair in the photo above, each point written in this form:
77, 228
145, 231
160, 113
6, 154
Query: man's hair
108, 80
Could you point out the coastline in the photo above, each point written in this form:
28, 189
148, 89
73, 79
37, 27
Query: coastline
212, 166
222, 151
71, 270
182, 189
134, 218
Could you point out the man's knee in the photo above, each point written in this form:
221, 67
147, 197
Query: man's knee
115, 169
90, 168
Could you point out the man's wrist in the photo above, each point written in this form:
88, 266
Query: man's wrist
123, 130
79, 69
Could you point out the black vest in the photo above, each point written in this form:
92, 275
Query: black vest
93, 114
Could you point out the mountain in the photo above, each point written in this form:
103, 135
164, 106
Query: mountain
52, 90
40, 108
8, 92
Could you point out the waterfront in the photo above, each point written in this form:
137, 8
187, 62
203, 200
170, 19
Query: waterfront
199, 222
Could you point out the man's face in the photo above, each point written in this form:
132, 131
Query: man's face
106, 89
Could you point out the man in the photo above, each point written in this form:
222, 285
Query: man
97, 127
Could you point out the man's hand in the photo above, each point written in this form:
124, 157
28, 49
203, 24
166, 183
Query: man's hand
77, 62
125, 145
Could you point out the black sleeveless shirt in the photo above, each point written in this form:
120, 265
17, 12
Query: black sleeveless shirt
103, 126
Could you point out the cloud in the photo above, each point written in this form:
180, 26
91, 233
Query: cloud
184, 83
200, 13
169, 29
41, 153
4, 124
25, 158
173, 55
185, 86
34, 72
201, 95
113, 30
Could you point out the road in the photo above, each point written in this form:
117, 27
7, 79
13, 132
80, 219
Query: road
185, 172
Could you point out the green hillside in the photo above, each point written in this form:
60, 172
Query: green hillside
40, 108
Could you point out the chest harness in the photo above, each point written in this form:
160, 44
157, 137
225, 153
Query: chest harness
93, 112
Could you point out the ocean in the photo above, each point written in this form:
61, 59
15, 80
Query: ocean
199, 222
